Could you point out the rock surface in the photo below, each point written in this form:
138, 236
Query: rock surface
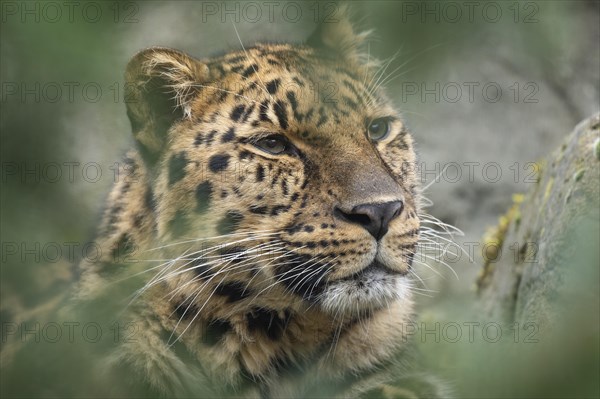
547, 243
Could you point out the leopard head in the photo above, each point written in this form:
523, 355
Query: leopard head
281, 175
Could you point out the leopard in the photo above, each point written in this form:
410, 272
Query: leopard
259, 240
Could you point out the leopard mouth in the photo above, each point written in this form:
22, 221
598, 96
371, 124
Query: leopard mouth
373, 287
373, 268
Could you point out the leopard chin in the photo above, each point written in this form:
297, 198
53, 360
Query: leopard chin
372, 288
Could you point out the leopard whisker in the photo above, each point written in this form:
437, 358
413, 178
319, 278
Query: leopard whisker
219, 261
424, 264
431, 233
330, 265
146, 286
424, 229
440, 262
309, 262
310, 274
422, 281
172, 261
381, 69
198, 292
336, 335
194, 240
202, 307
240, 265
276, 278
431, 218
379, 74
264, 87
418, 277
420, 53
209, 250
285, 254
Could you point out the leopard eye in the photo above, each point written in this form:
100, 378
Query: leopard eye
378, 129
273, 144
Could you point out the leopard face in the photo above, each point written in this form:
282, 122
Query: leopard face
286, 179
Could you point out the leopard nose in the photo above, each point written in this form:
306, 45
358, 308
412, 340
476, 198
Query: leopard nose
375, 218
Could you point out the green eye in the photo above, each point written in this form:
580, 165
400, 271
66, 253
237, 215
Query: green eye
273, 144
378, 129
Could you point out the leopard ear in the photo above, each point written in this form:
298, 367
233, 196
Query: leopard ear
159, 85
336, 35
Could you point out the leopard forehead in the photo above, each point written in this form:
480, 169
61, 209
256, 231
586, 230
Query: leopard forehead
291, 89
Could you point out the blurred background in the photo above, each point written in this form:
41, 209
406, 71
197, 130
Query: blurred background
487, 88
